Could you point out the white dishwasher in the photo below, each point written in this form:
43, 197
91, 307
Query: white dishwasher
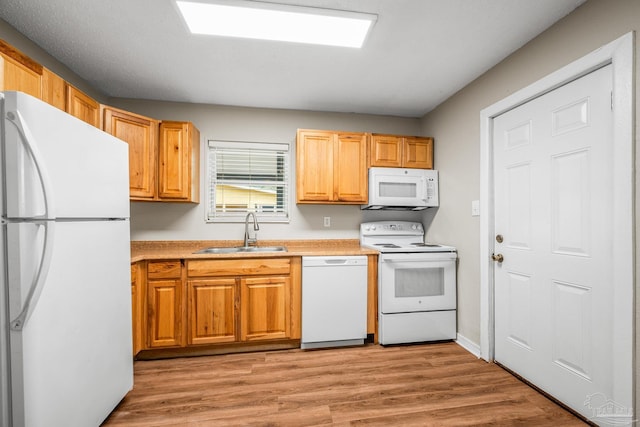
334, 301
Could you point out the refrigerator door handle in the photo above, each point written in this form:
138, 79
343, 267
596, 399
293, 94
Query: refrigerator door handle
39, 279
28, 141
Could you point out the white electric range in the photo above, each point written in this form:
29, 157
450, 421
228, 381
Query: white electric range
416, 283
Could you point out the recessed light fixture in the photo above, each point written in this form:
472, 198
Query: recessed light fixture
271, 21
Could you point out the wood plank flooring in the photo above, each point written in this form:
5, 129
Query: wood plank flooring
437, 384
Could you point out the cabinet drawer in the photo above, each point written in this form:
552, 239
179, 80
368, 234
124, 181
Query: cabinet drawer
164, 270
238, 267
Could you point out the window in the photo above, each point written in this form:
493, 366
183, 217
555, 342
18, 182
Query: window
248, 177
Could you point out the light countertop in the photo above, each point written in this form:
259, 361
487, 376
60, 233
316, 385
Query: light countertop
184, 249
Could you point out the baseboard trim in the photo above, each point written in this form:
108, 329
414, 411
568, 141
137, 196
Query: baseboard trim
468, 345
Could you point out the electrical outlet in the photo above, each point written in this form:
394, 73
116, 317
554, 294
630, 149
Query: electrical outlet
327, 221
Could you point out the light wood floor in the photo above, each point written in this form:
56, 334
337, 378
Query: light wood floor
418, 385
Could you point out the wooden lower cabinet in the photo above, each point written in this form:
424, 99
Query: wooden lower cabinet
192, 303
212, 312
260, 289
265, 307
137, 291
164, 299
165, 307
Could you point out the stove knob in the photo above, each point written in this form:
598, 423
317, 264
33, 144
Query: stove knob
415, 227
373, 227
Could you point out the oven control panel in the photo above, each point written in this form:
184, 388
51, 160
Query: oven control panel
381, 228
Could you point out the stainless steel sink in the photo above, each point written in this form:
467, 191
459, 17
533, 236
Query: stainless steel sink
241, 249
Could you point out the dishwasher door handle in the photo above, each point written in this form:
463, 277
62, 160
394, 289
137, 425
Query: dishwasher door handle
335, 261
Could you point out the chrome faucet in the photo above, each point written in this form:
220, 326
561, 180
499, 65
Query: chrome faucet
256, 227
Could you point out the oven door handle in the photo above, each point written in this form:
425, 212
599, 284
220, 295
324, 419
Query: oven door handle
402, 260
429, 259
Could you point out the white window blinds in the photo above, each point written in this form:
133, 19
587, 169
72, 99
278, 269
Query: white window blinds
248, 177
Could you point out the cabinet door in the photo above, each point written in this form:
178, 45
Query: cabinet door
19, 73
211, 310
350, 168
134, 308
265, 308
53, 89
164, 302
178, 155
314, 166
386, 151
83, 106
141, 134
138, 305
418, 153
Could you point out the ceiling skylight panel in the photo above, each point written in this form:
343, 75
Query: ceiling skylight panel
276, 22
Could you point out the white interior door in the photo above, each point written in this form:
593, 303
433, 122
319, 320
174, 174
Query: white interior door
553, 173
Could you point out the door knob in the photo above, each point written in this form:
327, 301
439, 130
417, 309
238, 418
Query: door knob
497, 257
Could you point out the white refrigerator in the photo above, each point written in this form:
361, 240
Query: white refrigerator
65, 299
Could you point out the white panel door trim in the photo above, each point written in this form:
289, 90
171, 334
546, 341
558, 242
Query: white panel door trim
619, 54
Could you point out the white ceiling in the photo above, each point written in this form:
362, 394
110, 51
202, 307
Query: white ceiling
419, 53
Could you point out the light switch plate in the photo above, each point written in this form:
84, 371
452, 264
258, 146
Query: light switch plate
475, 208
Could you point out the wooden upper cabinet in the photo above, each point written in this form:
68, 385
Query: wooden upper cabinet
418, 153
314, 166
350, 168
386, 151
82, 106
54, 89
179, 162
401, 151
331, 167
140, 133
164, 158
19, 72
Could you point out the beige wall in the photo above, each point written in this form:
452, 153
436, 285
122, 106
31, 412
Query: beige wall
455, 124
162, 221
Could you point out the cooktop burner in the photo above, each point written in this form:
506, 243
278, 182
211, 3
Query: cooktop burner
398, 237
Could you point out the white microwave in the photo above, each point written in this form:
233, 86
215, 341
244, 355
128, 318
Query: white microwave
402, 189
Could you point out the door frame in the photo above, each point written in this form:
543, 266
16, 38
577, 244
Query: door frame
620, 54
